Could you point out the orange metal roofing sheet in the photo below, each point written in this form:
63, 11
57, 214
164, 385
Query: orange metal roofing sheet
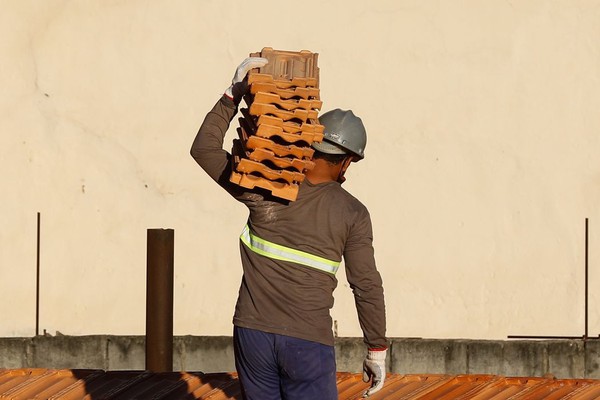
38, 383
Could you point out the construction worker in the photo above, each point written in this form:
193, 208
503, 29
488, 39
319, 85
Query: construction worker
290, 251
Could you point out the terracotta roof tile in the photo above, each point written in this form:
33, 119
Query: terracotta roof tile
38, 383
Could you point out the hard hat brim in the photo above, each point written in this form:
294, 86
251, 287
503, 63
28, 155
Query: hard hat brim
328, 148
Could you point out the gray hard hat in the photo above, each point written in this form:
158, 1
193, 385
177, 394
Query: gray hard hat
344, 134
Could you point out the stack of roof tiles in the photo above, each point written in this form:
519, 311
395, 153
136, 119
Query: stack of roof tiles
279, 124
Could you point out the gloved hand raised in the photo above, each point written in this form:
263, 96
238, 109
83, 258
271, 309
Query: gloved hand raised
374, 369
239, 85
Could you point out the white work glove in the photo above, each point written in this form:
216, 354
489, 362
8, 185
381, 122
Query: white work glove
238, 84
374, 369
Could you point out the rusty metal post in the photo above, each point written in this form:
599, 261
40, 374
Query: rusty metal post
37, 279
159, 300
585, 334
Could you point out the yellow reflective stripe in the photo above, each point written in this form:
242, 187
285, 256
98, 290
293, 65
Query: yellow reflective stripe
279, 252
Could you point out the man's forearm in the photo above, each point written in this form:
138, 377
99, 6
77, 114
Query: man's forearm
371, 315
207, 148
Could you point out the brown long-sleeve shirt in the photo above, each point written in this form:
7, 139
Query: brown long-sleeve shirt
283, 297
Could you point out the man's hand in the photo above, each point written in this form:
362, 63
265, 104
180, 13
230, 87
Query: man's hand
239, 85
374, 368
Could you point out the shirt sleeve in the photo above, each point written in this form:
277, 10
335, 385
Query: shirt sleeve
207, 148
366, 282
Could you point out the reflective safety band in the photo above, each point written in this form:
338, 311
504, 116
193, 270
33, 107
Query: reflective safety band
278, 252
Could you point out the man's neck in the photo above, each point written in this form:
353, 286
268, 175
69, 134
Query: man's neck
322, 172
316, 179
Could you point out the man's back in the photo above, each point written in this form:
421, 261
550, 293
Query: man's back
286, 297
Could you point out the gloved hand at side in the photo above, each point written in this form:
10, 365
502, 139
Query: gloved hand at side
239, 83
374, 369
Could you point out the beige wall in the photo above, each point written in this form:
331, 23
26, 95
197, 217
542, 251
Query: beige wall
482, 162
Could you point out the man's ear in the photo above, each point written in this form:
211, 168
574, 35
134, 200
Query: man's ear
346, 163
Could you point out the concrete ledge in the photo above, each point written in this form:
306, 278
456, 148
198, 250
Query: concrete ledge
565, 359
484, 357
14, 352
126, 352
592, 359
203, 353
427, 356
69, 352
350, 353
533, 356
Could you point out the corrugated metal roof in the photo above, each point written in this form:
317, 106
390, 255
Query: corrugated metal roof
38, 383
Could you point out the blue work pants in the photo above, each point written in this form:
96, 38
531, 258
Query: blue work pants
277, 367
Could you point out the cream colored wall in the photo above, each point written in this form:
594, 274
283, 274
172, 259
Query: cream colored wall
481, 166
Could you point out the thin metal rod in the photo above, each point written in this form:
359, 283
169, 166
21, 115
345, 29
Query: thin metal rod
543, 337
37, 279
586, 282
159, 300
586, 333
